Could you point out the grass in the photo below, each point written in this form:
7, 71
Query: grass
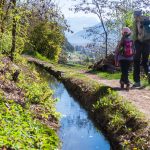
144, 81
67, 66
71, 67
116, 76
39, 56
121, 119
75, 66
106, 75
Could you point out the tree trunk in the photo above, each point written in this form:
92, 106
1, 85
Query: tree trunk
103, 25
106, 42
13, 47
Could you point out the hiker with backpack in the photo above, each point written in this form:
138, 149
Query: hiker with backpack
124, 56
142, 46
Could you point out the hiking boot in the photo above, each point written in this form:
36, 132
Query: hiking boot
137, 84
127, 87
148, 77
122, 85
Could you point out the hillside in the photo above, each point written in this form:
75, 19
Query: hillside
28, 119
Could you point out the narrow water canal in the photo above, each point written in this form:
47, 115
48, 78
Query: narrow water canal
77, 132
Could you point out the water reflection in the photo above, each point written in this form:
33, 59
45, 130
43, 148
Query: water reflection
77, 132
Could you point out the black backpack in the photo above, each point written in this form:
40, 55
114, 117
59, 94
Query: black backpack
143, 27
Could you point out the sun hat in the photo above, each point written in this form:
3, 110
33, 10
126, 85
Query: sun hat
126, 30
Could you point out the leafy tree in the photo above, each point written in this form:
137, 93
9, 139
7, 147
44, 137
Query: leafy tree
97, 7
46, 38
122, 11
20, 19
46, 32
13, 27
113, 15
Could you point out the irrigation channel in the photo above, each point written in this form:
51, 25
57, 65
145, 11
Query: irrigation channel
77, 132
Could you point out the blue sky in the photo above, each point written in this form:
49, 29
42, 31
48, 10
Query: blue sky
77, 21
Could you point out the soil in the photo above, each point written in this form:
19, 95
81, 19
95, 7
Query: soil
8, 86
139, 97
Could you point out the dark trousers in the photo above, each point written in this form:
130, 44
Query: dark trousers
140, 58
124, 66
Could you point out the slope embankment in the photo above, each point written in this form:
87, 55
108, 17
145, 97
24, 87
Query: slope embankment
27, 115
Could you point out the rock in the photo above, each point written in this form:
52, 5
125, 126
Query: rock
15, 75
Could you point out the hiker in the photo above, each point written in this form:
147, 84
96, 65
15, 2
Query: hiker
142, 46
124, 56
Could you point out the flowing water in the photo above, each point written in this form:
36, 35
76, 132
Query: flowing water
77, 132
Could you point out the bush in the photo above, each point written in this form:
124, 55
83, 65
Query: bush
5, 42
47, 38
21, 131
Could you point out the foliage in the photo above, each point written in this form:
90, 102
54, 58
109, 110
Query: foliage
46, 38
47, 26
37, 55
21, 131
63, 57
27, 127
5, 42
13, 27
19, 19
66, 49
128, 19
112, 15
122, 118
98, 8
36, 90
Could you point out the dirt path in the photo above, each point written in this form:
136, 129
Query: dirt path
138, 97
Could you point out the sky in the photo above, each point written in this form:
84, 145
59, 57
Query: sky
65, 5
77, 21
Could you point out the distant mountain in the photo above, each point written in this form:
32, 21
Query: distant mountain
78, 23
67, 47
83, 37
79, 38
87, 35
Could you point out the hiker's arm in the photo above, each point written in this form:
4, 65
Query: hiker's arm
119, 45
117, 53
